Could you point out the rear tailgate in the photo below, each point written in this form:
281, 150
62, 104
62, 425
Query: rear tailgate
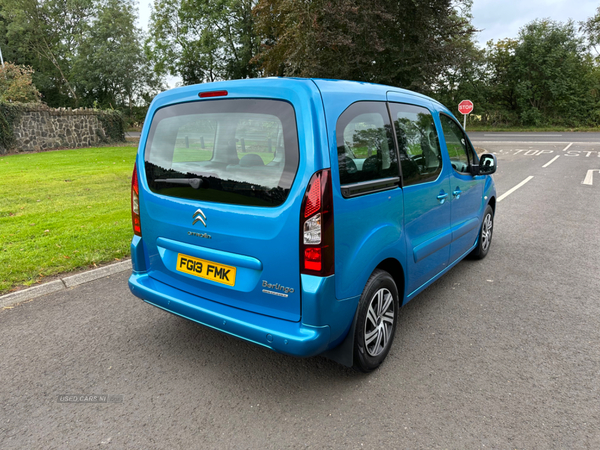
238, 250
221, 186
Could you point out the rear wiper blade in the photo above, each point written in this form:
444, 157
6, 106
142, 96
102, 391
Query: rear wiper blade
193, 182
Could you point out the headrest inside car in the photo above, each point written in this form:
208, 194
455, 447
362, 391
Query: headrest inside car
251, 160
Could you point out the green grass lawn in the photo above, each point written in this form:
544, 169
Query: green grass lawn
63, 210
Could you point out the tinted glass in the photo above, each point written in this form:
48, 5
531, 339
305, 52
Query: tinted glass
418, 143
457, 144
229, 151
365, 144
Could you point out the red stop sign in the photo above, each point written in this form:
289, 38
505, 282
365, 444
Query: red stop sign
465, 107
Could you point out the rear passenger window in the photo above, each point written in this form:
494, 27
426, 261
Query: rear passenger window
365, 144
418, 143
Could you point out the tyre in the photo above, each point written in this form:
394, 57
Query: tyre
485, 235
376, 321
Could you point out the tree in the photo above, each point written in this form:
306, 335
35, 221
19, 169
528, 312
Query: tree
591, 29
110, 69
551, 73
48, 31
500, 70
466, 78
84, 52
203, 40
16, 84
406, 43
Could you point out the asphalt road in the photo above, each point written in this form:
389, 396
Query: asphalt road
501, 353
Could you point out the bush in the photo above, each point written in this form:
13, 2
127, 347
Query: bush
532, 116
114, 125
8, 116
16, 85
134, 116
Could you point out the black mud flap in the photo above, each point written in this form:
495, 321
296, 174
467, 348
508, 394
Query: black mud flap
344, 353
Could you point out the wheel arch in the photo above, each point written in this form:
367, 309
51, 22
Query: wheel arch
396, 271
344, 352
492, 203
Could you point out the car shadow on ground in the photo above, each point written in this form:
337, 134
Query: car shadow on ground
179, 346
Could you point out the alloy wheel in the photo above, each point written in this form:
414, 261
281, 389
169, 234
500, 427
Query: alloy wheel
486, 232
379, 322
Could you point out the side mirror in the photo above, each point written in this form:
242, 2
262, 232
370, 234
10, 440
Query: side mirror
487, 164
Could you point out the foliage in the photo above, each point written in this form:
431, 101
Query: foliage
113, 124
551, 74
91, 53
135, 116
466, 79
111, 68
9, 114
16, 84
591, 29
407, 43
203, 40
70, 211
84, 52
545, 77
48, 32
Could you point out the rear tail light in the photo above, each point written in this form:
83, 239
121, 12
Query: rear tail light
135, 203
316, 227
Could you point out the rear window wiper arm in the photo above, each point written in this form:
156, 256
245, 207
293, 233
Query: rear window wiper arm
193, 182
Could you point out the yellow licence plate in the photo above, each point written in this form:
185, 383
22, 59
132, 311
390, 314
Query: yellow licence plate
208, 270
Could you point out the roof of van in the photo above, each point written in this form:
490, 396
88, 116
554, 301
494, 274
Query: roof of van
347, 87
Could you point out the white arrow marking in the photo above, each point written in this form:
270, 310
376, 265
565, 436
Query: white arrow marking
589, 177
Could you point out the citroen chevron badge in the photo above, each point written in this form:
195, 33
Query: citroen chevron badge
199, 217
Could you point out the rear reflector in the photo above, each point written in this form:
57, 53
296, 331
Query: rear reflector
212, 94
313, 198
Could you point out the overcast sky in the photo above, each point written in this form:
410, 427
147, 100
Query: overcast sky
498, 19
502, 19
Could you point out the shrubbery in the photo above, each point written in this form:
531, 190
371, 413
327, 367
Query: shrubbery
16, 84
9, 113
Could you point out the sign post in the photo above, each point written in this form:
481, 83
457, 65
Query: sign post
465, 108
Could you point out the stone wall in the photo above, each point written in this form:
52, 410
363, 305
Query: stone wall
39, 127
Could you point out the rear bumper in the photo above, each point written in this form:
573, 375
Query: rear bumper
293, 338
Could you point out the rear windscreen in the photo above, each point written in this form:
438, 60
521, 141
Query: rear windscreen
241, 151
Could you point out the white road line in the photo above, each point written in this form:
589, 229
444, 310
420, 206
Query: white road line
510, 191
551, 161
567, 147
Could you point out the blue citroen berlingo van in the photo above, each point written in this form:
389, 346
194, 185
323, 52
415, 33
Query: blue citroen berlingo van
301, 214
